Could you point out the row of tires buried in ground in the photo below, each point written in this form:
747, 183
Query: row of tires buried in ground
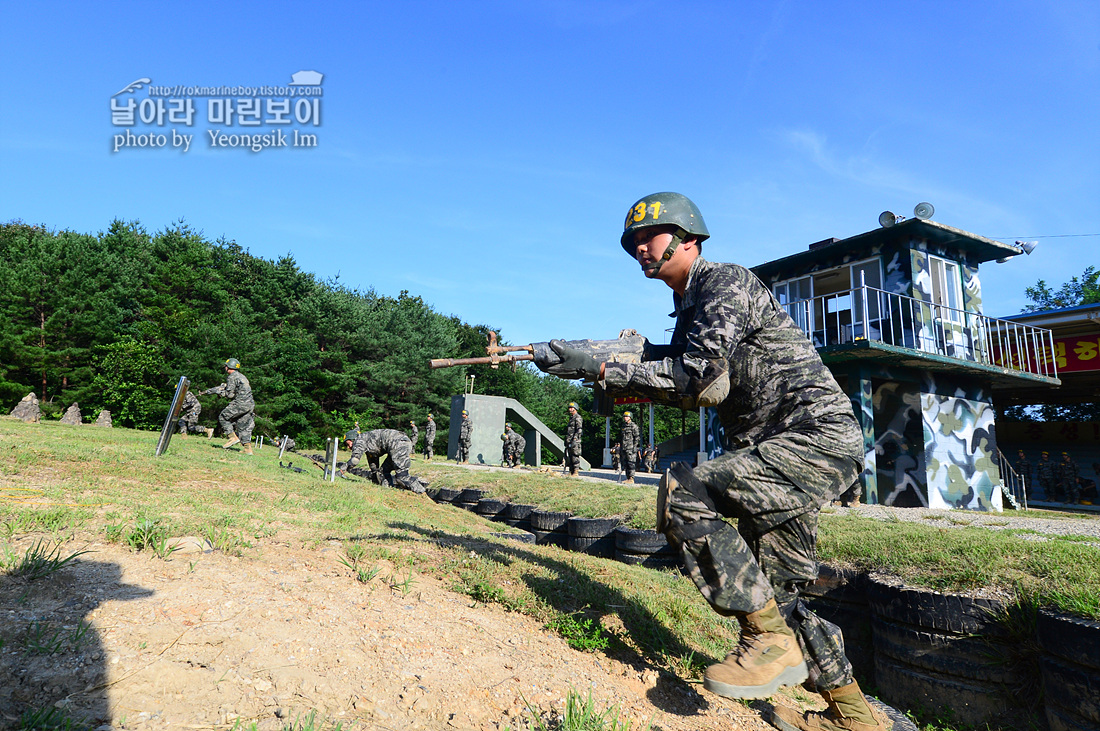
975, 660
971, 659
605, 537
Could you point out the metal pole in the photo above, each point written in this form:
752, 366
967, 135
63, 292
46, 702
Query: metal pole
335, 447
282, 446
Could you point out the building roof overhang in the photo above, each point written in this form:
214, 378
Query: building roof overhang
977, 248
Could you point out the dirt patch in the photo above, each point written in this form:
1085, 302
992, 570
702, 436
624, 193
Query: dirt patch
203, 640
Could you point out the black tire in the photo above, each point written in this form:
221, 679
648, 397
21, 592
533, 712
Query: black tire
447, 495
649, 560
953, 613
518, 511
900, 721
550, 538
521, 537
521, 524
472, 507
927, 648
490, 507
603, 546
546, 520
592, 527
471, 495
1070, 668
636, 540
962, 656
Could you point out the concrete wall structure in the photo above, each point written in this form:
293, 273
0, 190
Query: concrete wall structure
489, 413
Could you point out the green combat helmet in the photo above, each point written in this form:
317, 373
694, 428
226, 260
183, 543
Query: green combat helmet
233, 363
663, 209
573, 405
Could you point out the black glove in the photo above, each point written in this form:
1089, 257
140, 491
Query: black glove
575, 363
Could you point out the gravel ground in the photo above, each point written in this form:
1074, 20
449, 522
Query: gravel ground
1042, 522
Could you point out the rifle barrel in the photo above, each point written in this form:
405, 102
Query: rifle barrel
484, 360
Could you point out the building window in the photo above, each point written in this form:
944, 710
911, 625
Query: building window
946, 288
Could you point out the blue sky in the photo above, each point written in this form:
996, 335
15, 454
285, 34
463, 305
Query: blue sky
482, 155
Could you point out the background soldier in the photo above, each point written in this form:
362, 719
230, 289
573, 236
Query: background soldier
1023, 469
616, 450
237, 419
396, 449
792, 444
189, 417
505, 450
518, 445
573, 440
429, 438
415, 433
630, 439
1069, 479
465, 435
650, 457
1046, 473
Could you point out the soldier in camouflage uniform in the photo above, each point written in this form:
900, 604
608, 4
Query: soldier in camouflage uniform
415, 433
189, 416
1023, 469
516, 446
746, 521
650, 458
429, 438
629, 439
573, 440
616, 450
392, 448
238, 418
465, 436
1069, 479
1047, 475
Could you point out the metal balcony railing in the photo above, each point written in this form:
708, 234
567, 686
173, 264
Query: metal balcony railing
866, 313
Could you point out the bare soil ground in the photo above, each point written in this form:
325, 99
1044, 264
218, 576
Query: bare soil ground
204, 640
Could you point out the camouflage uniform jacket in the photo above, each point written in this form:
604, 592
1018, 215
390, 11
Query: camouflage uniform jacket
736, 349
516, 442
1068, 471
377, 442
429, 432
1046, 470
415, 434
630, 438
238, 389
191, 409
466, 431
573, 431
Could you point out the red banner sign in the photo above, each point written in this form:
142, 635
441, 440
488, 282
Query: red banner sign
1077, 353
619, 400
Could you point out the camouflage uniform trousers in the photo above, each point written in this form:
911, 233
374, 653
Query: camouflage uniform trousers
773, 550
189, 423
463, 451
238, 418
573, 455
398, 459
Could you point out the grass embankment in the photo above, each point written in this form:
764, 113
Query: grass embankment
79, 482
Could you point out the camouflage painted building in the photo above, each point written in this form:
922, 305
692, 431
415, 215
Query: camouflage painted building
897, 315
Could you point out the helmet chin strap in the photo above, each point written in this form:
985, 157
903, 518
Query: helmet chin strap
653, 267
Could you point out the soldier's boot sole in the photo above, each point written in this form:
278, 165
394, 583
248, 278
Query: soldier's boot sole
794, 675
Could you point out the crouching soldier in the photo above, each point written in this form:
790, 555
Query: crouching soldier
189, 417
237, 419
388, 454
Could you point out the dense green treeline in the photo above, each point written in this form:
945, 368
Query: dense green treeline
112, 321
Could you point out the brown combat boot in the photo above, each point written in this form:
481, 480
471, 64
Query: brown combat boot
848, 711
628, 481
234, 439
209, 432
767, 657
248, 448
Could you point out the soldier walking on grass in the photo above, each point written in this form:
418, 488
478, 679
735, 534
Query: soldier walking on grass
573, 440
429, 438
630, 440
415, 433
238, 418
745, 522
